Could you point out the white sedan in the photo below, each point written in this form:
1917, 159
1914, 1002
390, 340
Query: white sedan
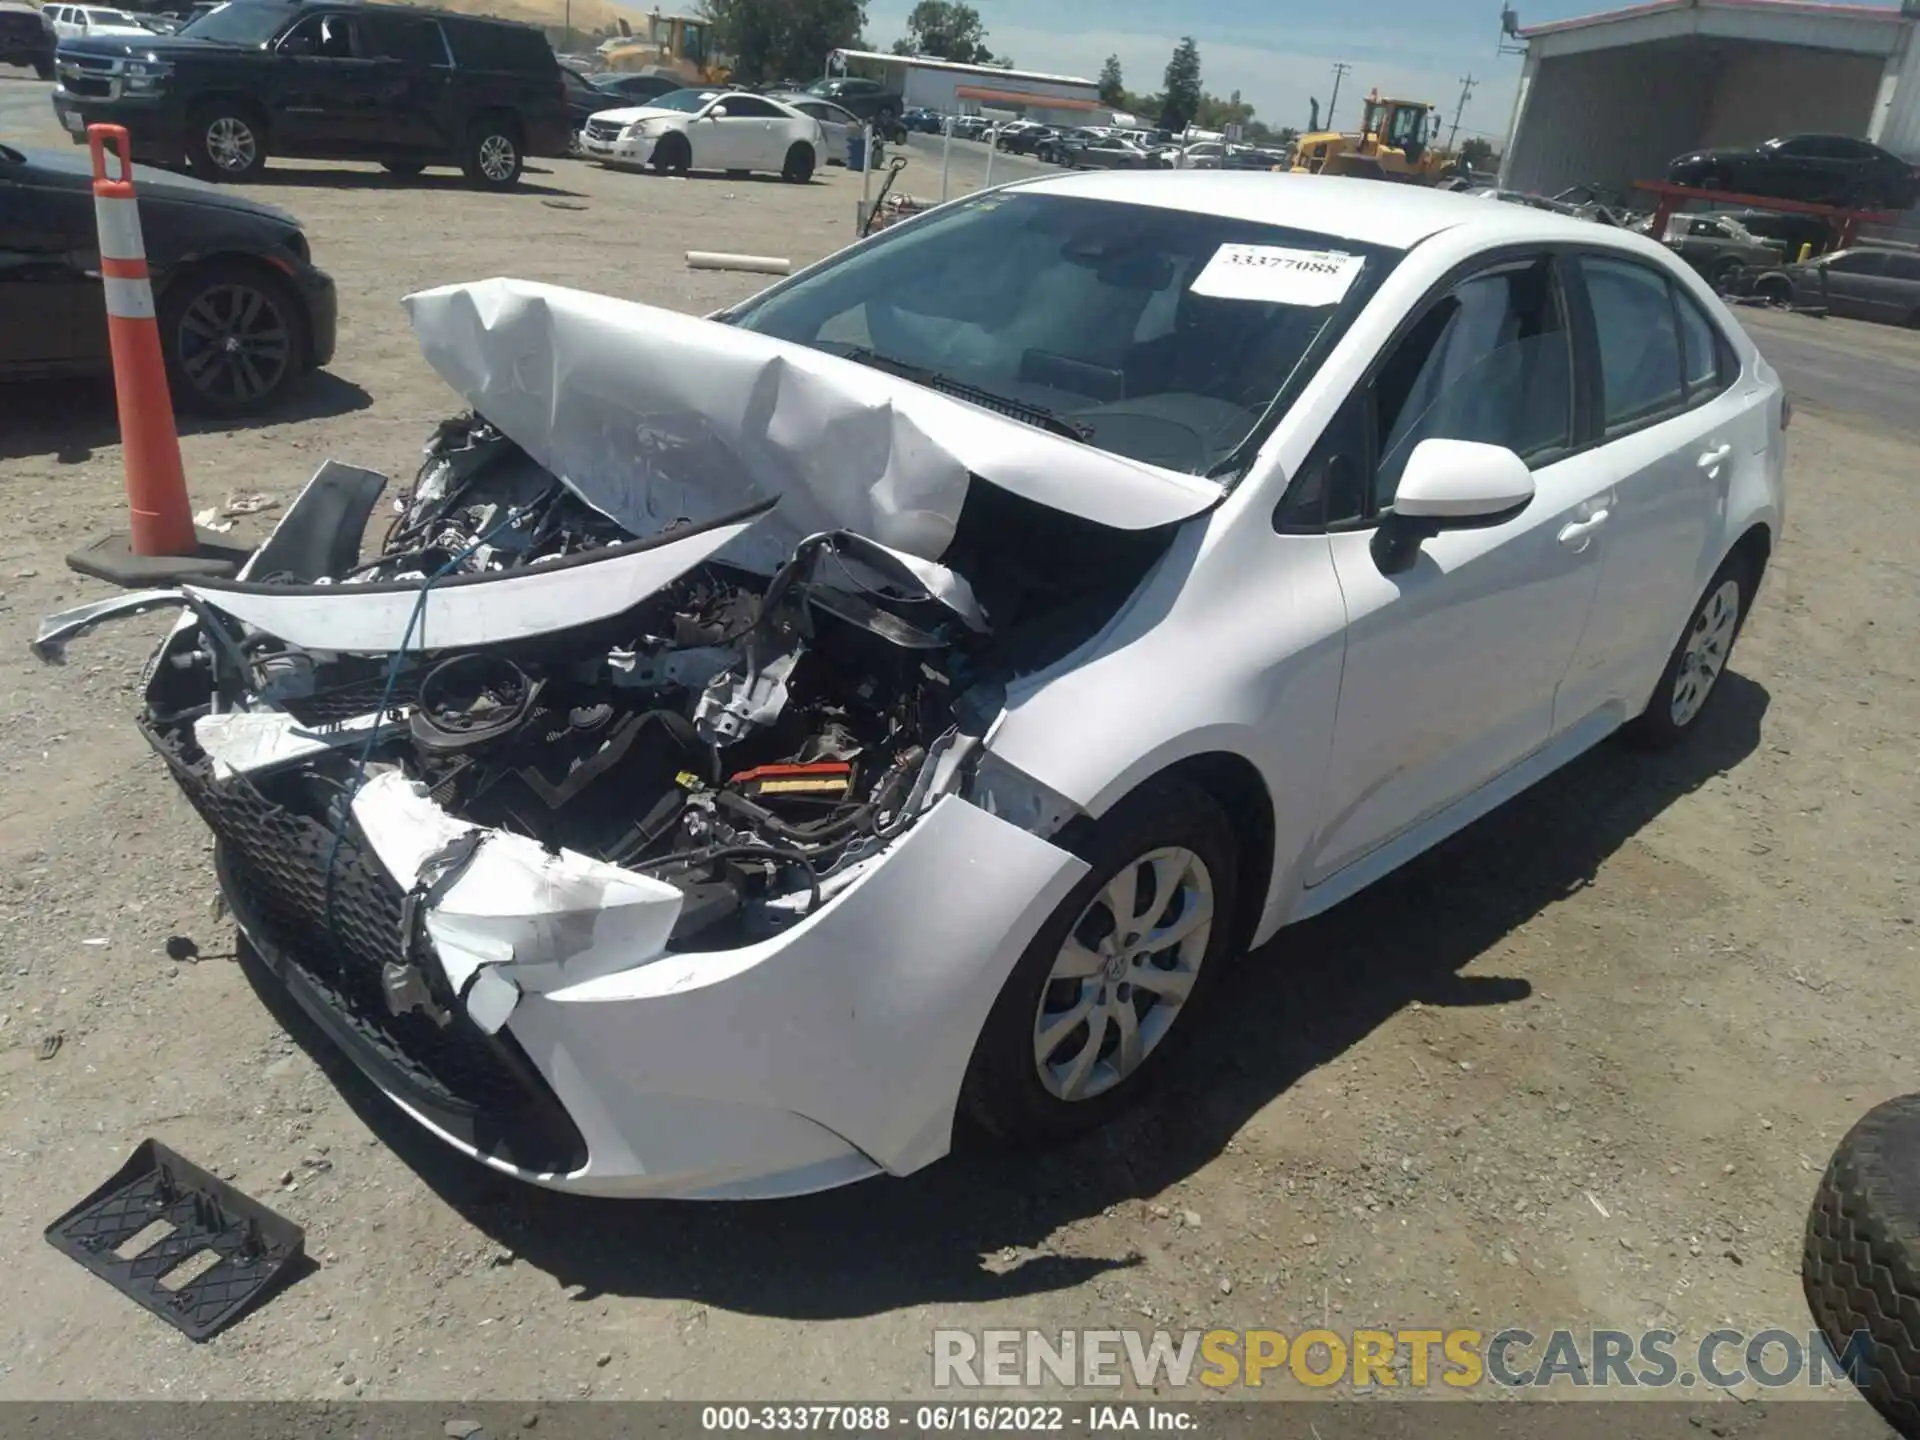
932, 673
727, 130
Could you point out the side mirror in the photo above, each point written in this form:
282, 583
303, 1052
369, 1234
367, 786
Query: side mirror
1450, 485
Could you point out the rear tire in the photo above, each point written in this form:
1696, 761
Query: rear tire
1168, 829
226, 140
43, 68
673, 155
798, 169
492, 158
234, 337
1691, 676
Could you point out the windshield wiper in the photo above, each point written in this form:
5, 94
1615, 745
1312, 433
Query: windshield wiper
1037, 416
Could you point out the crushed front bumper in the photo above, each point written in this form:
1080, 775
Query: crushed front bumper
829, 1053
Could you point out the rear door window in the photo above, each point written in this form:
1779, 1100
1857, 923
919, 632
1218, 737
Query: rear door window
499, 47
1639, 341
402, 37
1708, 363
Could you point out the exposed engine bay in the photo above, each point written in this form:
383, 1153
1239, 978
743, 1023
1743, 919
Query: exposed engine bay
744, 738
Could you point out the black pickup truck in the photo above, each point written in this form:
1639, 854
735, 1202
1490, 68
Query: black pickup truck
323, 80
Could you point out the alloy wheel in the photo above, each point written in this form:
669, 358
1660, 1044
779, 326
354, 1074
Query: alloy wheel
231, 144
235, 345
1705, 656
1127, 966
496, 158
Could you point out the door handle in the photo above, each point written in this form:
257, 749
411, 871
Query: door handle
1580, 531
1711, 460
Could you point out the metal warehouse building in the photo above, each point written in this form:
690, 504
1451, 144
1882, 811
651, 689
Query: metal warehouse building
951, 88
1609, 99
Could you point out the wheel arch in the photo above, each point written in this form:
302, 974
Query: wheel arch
240, 99
183, 271
1754, 548
1235, 784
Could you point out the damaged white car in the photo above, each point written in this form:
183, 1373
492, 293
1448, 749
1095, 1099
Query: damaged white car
760, 741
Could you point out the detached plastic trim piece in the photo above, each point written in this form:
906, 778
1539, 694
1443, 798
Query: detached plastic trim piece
256, 1248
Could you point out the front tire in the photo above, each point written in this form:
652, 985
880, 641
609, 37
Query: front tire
234, 339
226, 140
673, 155
492, 159
1692, 673
1106, 990
798, 169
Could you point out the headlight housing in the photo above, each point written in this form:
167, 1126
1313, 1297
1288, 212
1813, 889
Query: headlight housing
641, 129
147, 76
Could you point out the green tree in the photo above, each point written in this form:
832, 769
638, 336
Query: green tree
1113, 89
784, 39
946, 30
1183, 95
1476, 153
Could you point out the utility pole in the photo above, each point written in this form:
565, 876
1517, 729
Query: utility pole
1340, 68
1467, 82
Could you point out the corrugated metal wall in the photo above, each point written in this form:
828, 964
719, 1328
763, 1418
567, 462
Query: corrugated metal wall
1609, 117
934, 88
1766, 90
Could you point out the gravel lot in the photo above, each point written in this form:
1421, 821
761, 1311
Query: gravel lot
1581, 1066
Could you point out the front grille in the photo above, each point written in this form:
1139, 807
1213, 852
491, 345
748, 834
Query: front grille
275, 860
91, 77
603, 130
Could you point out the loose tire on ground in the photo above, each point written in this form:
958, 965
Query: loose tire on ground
1861, 1263
798, 168
1701, 655
234, 338
226, 140
492, 158
1004, 1093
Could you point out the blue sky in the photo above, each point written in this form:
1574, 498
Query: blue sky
1276, 55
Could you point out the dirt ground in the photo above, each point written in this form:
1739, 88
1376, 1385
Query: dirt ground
1580, 1066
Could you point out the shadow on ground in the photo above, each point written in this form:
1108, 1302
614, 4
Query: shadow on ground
1314, 992
70, 419
278, 175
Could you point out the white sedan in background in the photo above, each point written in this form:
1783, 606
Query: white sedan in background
1158, 559
704, 129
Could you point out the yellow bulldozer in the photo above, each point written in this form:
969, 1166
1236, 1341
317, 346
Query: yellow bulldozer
680, 46
1397, 140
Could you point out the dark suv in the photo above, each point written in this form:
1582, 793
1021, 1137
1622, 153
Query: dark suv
327, 81
867, 100
26, 38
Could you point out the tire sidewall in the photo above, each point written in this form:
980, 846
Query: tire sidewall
1003, 1093
1655, 726
673, 155
799, 165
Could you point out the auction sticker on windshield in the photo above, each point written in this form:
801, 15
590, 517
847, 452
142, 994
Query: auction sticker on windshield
1278, 276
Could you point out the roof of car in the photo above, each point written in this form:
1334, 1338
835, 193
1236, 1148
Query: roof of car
1373, 212
401, 6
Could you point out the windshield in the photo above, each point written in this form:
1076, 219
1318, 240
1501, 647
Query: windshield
244, 22
688, 100
1121, 324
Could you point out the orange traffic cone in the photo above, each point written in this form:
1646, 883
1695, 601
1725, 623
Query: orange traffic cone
160, 544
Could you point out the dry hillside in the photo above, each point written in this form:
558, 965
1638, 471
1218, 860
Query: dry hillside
586, 16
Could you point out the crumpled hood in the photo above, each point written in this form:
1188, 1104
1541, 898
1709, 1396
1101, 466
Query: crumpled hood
652, 417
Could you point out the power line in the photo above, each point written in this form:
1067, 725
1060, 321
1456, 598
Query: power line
1467, 82
1340, 68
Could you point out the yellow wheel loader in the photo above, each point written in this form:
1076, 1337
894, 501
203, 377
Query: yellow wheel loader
680, 46
1398, 140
